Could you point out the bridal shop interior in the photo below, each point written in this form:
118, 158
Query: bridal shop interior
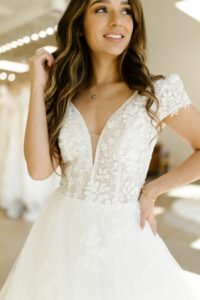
173, 47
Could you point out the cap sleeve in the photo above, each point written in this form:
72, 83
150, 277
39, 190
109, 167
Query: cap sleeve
171, 95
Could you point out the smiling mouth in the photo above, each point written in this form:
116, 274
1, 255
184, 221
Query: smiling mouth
113, 37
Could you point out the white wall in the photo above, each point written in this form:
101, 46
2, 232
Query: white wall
174, 47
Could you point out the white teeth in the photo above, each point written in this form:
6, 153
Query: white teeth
114, 36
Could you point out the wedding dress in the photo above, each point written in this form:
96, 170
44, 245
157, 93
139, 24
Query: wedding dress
86, 243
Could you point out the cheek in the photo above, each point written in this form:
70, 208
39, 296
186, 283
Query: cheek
92, 28
87, 27
89, 35
130, 27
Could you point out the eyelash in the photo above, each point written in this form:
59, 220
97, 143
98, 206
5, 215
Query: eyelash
104, 8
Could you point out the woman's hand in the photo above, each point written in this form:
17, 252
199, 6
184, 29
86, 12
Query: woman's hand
146, 212
39, 66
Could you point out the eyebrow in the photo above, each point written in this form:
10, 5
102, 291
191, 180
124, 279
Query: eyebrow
107, 1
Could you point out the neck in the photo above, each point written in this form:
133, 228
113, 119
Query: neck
104, 71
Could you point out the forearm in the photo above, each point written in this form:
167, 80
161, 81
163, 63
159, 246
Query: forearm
185, 173
36, 144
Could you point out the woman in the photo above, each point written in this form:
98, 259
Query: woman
96, 236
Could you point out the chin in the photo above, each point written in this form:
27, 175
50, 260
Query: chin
115, 53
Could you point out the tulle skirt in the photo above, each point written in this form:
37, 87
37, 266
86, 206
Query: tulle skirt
77, 250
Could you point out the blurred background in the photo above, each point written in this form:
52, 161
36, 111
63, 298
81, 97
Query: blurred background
173, 31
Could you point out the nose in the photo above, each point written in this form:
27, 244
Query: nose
115, 19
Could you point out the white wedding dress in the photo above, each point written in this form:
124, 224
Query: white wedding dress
87, 243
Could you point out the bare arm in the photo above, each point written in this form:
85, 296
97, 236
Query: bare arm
187, 124
36, 143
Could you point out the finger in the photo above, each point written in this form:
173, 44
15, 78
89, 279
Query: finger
42, 51
152, 223
50, 59
46, 57
142, 220
38, 50
49, 62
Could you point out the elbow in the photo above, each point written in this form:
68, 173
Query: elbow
196, 148
36, 174
38, 177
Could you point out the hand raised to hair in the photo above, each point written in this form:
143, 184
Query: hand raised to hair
39, 66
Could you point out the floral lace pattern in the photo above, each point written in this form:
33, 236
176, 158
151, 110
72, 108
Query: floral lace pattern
120, 220
172, 96
87, 242
123, 152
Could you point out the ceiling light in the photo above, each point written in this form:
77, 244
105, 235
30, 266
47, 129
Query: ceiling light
14, 44
13, 66
26, 39
8, 46
3, 76
4, 48
49, 48
190, 7
11, 77
42, 34
20, 42
195, 244
50, 31
34, 37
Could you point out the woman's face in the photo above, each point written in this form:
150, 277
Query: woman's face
108, 26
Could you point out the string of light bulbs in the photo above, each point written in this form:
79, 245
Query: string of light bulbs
27, 39
4, 76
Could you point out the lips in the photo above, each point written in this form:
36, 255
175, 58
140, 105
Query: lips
113, 35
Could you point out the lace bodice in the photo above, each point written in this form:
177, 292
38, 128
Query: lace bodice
123, 149
94, 141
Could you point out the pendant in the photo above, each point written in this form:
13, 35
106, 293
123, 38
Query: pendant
93, 97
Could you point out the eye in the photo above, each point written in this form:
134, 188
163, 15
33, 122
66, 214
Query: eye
128, 11
100, 9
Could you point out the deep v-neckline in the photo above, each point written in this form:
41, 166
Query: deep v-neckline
119, 109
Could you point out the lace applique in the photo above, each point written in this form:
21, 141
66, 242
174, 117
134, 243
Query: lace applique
94, 245
123, 152
172, 96
94, 251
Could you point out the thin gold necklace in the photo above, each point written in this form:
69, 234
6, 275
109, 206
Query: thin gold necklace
93, 96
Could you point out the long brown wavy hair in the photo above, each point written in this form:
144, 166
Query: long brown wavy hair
72, 69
